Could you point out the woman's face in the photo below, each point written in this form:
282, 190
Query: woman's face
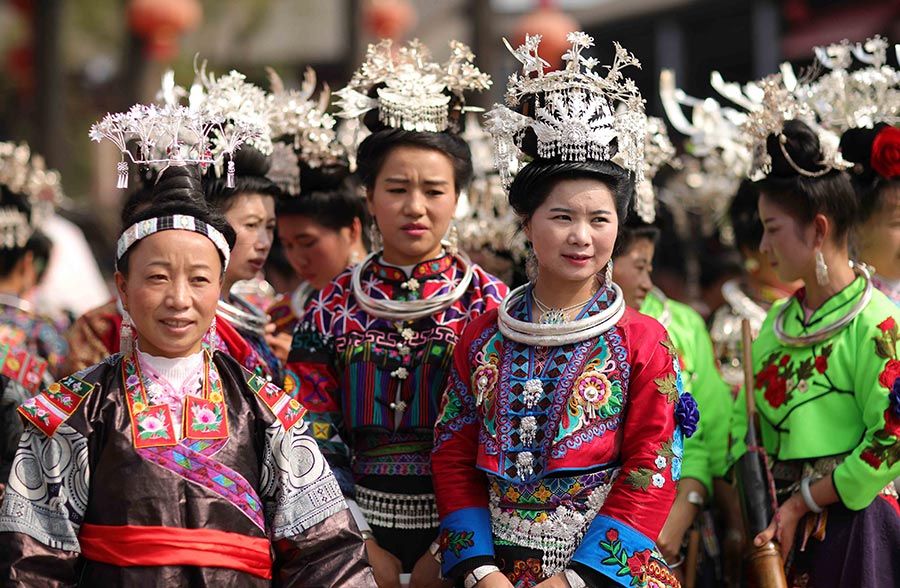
788, 245
413, 201
252, 216
317, 253
173, 284
573, 232
632, 269
878, 239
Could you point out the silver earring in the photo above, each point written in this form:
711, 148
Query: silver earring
453, 240
354, 257
531, 266
821, 269
374, 235
609, 274
126, 334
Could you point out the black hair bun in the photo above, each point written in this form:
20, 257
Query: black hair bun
801, 144
250, 161
323, 178
856, 147
179, 183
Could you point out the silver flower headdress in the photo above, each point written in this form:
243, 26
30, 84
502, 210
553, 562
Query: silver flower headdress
844, 99
658, 151
416, 95
205, 132
575, 118
25, 173
302, 130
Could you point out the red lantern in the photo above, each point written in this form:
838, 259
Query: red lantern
553, 25
389, 19
160, 22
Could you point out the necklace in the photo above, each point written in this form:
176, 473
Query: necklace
15, 302
251, 320
828, 330
552, 335
408, 310
743, 305
665, 319
555, 316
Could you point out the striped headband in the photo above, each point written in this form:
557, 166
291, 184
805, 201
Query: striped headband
183, 222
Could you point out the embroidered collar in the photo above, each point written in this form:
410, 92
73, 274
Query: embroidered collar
426, 269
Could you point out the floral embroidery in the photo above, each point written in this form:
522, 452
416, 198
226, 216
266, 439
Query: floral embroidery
155, 424
887, 445
484, 379
206, 419
642, 566
36, 412
526, 573
781, 378
456, 541
642, 477
668, 386
595, 394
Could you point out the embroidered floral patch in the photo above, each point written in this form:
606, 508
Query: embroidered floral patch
887, 445
484, 380
642, 566
596, 395
644, 477
153, 427
782, 378
204, 419
456, 541
668, 385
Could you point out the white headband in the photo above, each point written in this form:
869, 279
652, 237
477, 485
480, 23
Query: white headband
183, 222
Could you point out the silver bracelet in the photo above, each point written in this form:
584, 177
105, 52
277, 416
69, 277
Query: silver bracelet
435, 550
478, 574
574, 579
807, 496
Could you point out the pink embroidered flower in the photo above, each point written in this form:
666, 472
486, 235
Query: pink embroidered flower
151, 425
204, 416
132, 380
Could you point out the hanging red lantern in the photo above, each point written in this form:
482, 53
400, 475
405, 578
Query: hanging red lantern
160, 22
553, 25
389, 19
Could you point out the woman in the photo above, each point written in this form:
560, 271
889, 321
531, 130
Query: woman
557, 449
876, 234
373, 353
109, 488
826, 386
706, 452
320, 231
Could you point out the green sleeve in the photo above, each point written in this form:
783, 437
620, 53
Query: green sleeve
876, 460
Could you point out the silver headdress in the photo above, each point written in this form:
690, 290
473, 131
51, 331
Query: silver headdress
175, 135
302, 130
771, 102
575, 116
26, 174
658, 151
842, 99
416, 95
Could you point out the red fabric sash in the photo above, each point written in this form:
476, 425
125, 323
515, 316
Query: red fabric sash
129, 545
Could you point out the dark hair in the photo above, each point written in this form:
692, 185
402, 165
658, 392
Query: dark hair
38, 244
140, 197
870, 186
534, 182
802, 196
376, 147
743, 213
632, 232
10, 256
250, 167
180, 191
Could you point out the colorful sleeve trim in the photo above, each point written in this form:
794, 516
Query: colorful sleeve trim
624, 555
286, 409
52, 407
465, 533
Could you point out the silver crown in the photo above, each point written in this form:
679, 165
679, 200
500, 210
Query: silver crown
658, 151
416, 95
302, 129
575, 118
844, 99
24, 173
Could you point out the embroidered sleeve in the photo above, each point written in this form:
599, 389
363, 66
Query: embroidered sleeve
876, 460
45, 502
620, 542
460, 489
311, 377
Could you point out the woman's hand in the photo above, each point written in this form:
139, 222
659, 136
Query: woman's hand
557, 581
427, 573
280, 344
680, 519
783, 527
384, 564
86, 346
494, 580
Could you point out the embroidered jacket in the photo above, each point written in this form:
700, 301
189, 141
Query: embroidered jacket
104, 493
572, 451
706, 451
836, 398
348, 367
32, 333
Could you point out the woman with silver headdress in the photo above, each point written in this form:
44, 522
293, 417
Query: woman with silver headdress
826, 387
373, 353
170, 464
558, 447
